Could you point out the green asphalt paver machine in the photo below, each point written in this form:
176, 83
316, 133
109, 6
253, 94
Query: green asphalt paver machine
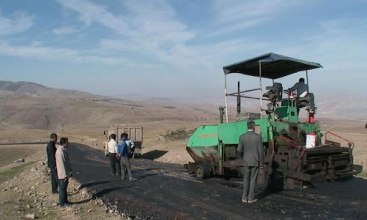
296, 153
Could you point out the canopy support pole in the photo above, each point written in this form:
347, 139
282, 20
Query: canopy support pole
308, 85
225, 96
261, 88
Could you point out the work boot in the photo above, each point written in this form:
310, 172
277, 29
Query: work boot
252, 201
64, 205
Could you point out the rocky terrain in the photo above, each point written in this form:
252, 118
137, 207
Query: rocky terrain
25, 193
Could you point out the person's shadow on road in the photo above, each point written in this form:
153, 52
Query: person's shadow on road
93, 184
108, 190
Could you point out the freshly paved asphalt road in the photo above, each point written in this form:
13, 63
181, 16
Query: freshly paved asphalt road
166, 191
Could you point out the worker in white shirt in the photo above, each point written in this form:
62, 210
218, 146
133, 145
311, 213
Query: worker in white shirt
112, 154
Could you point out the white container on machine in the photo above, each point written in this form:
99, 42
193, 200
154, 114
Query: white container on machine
310, 140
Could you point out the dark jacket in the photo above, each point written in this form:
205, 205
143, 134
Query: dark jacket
251, 147
300, 87
51, 150
123, 148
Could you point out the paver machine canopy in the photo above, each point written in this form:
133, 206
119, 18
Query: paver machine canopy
271, 66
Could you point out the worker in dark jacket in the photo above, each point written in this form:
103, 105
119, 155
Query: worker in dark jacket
300, 87
252, 151
123, 154
51, 162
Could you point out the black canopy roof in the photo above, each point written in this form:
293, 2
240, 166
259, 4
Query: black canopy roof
273, 66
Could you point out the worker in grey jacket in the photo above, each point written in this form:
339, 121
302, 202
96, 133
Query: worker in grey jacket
251, 149
300, 87
63, 170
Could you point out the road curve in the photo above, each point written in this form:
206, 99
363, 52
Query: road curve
166, 191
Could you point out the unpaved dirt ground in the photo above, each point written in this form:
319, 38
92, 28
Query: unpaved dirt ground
25, 190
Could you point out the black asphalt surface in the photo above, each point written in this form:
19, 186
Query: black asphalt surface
166, 191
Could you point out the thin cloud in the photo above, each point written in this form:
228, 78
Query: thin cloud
228, 29
339, 46
158, 21
341, 39
64, 30
236, 15
36, 51
234, 10
148, 29
90, 13
17, 23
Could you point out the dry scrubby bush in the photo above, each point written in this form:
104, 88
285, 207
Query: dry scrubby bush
179, 134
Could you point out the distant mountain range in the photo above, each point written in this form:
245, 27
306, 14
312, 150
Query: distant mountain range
34, 105
28, 104
342, 105
37, 89
21, 87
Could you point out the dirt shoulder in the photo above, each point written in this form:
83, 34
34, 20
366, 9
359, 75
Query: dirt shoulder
25, 193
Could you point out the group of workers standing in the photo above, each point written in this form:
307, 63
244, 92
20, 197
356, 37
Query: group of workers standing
118, 154
250, 147
60, 168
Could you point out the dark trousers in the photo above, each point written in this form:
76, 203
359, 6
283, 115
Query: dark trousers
54, 180
249, 182
63, 194
114, 164
126, 167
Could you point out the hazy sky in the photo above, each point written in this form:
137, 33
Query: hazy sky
177, 48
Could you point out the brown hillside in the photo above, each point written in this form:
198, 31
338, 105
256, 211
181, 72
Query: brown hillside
35, 106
